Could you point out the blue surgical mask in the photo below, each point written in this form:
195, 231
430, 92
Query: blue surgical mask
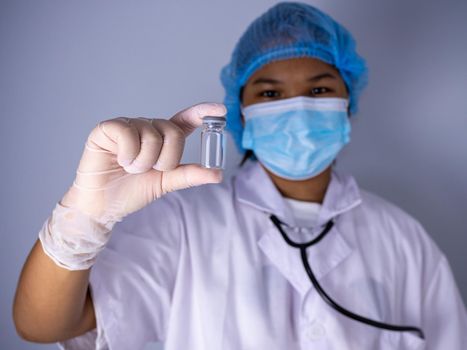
297, 138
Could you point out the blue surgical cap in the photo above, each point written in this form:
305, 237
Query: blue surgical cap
290, 30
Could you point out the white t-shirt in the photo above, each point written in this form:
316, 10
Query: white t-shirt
305, 213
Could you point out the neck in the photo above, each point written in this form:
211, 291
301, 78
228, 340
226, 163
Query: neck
310, 190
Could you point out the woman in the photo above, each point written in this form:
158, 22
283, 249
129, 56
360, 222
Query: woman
209, 267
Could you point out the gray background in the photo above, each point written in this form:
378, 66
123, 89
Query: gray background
65, 65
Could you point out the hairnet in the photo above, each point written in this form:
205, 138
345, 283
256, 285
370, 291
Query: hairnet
290, 30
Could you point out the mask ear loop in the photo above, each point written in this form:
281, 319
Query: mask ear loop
249, 153
321, 291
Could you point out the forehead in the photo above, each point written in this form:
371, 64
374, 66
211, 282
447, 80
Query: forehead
293, 68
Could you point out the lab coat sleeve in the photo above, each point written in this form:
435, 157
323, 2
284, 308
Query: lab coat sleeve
445, 316
133, 279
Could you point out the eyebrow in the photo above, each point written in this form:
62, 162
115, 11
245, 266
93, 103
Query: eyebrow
274, 81
322, 76
266, 81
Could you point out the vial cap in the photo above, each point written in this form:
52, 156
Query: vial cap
216, 120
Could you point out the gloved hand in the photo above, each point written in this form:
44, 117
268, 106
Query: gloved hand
126, 164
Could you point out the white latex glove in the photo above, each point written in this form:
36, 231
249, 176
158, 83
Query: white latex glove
126, 164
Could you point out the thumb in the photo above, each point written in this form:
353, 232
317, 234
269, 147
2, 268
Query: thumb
190, 118
189, 175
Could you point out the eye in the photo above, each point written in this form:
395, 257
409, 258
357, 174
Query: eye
319, 90
269, 93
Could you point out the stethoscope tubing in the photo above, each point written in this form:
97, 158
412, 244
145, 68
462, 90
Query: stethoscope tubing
322, 292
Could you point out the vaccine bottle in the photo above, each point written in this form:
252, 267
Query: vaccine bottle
213, 142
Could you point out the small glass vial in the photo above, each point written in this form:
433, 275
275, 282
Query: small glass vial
213, 142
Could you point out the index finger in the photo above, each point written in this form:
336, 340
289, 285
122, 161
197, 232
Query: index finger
192, 117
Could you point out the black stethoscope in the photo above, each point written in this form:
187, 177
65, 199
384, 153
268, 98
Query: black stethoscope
323, 294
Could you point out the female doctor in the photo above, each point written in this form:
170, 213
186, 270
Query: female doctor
288, 254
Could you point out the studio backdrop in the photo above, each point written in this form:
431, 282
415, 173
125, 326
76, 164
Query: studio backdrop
66, 65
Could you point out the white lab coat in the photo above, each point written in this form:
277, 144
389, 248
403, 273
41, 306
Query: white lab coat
206, 269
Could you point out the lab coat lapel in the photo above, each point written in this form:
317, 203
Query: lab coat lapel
323, 257
341, 196
255, 188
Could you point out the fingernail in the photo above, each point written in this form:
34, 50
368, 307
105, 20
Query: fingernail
158, 166
125, 162
220, 105
133, 169
217, 176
